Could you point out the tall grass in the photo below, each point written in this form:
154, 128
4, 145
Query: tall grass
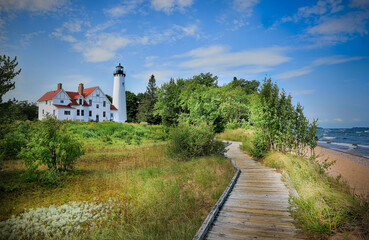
154, 197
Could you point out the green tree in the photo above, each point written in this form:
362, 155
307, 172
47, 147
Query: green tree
248, 87
146, 107
168, 105
7, 73
132, 106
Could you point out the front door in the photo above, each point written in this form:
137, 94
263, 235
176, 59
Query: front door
97, 118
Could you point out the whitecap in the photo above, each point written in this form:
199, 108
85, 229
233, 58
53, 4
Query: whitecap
329, 138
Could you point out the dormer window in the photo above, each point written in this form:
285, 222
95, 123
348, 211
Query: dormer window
80, 102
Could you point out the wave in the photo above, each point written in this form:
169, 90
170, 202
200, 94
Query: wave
329, 138
363, 146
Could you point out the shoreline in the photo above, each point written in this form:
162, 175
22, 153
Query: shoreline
363, 160
354, 169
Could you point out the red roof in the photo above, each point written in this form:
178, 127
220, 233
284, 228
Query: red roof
112, 107
62, 106
73, 95
49, 95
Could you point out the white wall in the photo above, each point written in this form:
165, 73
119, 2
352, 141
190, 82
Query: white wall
97, 97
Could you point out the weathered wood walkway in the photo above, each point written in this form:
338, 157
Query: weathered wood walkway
257, 207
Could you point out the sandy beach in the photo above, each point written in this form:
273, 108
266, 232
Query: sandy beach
353, 169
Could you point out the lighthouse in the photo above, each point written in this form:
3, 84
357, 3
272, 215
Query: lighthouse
119, 94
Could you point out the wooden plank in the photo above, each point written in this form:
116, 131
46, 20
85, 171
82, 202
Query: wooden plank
257, 207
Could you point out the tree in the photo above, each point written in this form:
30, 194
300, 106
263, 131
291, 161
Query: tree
168, 105
7, 73
146, 108
132, 106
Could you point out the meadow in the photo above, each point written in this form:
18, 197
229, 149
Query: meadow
123, 187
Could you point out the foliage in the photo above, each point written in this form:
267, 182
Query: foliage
52, 145
200, 99
7, 73
146, 107
279, 125
132, 106
193, 140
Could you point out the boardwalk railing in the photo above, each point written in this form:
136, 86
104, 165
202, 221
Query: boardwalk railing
210, 218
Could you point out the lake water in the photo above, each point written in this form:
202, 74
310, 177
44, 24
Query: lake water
351, 140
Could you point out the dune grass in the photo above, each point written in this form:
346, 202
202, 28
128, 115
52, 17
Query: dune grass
324, 205
153, 196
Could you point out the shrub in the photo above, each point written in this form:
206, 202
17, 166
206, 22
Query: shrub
193, 140
52, 145
12, 144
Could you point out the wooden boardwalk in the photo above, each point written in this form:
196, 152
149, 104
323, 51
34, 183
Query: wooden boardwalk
257, 207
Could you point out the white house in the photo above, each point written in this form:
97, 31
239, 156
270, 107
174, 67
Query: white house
88, 104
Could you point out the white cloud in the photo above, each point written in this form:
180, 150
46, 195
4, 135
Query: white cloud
317, 62
26, 38
245, 6
303, 92
338, 119
334, 60
169, 6
172, 34
320, 8
295, 73
356, 119
364, 4
218, 57
123, 9
351, 23
101, 47
31, 5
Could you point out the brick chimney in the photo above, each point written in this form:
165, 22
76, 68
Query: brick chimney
80, 88
59, 86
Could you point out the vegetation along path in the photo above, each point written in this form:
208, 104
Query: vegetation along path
257, 207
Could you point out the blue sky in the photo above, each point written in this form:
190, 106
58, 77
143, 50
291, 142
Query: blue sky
316, 50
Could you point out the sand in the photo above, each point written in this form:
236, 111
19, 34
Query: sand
353, 169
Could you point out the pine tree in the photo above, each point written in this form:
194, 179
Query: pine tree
146, 107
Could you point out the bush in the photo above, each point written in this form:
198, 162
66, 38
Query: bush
52, 145
12, 144
193, 140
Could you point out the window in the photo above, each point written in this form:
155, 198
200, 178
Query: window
61, 101
43, 111
90, 102
80, 102
90, 113
46, 102
66, 112
77, 112
104, 104
111, 116
97, 105
97, 94
54, 112
103, 114
82, 112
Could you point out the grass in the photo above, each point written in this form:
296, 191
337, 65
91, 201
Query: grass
154, 197
324, 205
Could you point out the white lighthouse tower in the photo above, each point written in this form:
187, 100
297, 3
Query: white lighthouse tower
119, 94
